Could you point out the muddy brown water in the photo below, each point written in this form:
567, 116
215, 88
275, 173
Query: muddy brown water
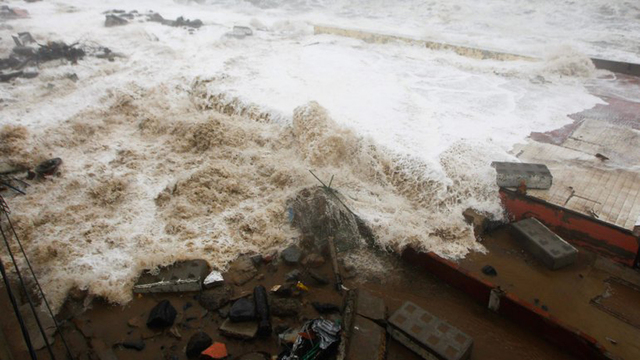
494, 337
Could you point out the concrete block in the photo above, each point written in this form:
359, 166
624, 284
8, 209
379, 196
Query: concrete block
241, 330
179, 277
427, 335
368, 341
535, 176
549, 248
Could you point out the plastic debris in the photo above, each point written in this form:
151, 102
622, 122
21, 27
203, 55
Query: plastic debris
307, 345
301, 286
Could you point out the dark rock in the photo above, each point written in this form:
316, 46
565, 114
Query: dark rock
256, 260
489, 270
162, 315
324, 308
48, 167
313, 261
242, 310
199, 342
114, 20
293, 275
291, 255
285, 307
318, 278
545, 307
137, 345
213, 299
262, 310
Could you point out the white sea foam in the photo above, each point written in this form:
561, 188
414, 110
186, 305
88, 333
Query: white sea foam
154, 173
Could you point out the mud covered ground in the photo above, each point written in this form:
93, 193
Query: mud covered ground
494, 337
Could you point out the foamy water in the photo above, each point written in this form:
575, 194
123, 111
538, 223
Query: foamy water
153, 173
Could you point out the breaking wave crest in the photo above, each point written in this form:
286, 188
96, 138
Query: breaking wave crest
207, 176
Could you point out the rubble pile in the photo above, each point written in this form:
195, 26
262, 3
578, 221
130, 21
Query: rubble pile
28, 54
121, 17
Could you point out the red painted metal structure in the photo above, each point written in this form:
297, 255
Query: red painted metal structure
606, 239
525, 314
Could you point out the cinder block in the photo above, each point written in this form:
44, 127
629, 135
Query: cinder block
549, 248
427, 335
179, 277
535, 176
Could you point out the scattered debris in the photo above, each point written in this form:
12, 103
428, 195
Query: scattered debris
325, 308
293, 275
242, 310
214, 299
317, 277
240, 32
240, 330
285, 307
611, 340
307, 345
313, 261
215, 351
48, 167
162, 315
179, 22
601, 157
179, 277
137, 345
213, 279
543, 244
489, 270
198, 343
114, 20
242, 271
427, 335
12, 13
262, 310
534, 176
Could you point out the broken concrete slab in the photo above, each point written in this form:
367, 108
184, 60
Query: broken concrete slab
179, 277
534, 176
549, 248
371, 307
427, 335
242, 271
213, 279
367, 340
240, 330
215, 298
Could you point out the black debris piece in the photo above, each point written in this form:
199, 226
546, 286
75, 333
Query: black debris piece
325, 308
198, 343
489, 270
162, 315
242, 310
262, 310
